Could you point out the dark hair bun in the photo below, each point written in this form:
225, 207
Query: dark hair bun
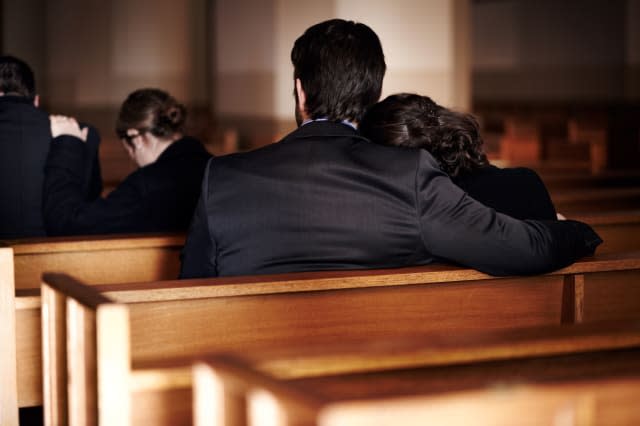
172, 119
153, 108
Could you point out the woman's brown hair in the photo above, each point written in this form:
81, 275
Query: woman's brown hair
151, 110
415, 121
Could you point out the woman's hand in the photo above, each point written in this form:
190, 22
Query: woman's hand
62, 125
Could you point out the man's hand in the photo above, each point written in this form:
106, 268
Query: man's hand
62, 125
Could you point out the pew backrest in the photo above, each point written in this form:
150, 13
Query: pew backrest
98, 259
619, 230
8, 375
180, 318
228, 391
94, 259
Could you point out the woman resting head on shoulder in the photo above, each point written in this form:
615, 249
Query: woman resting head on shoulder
453, 139
159, 196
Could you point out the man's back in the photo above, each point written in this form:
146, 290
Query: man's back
308, 203
326, 198
24, 143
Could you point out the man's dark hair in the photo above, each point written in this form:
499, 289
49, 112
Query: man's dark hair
341, 66
16, 77
416, 121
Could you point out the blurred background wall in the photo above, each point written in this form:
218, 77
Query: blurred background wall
228, 60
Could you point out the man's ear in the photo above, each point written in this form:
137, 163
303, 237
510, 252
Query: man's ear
302, 97
36, 101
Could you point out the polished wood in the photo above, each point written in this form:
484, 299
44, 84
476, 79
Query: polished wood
251, 314
76, 332
620, 230
588, 200
54, 357
573, 299
595, 388
435, 349
8, 376
113, 343
81, 358
616, 291
29, 349
96, 259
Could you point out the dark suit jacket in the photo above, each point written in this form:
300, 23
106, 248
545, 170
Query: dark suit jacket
327, 198
158, 197
518, 192
25, 137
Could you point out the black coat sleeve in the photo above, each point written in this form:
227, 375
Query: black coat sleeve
199, 256
93, 174
456, 227
66, 210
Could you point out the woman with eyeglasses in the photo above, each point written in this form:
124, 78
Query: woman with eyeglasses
160, 195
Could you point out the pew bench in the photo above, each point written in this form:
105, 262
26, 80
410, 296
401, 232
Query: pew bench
96, 259
578, 201
100, 259
147, 322
160, 392
620, 230
594, 388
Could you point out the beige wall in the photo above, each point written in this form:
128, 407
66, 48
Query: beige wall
254, 76
420, 44
91, 53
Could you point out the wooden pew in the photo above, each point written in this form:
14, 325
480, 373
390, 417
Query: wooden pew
8, 378
96, 259
580, 201
156, 321
101, 259
164, 388
559, 180
521, 142
594, 388
620, 230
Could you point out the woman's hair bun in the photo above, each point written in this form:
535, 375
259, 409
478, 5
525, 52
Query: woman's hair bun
153, 108
172, 118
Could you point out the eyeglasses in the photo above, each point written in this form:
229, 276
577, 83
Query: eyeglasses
128, 138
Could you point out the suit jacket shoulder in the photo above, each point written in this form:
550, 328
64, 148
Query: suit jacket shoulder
25, 137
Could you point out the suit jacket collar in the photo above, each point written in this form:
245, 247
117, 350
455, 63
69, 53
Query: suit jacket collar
16, 100
324, 129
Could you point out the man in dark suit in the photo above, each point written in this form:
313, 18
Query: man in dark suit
324, 197
25, 137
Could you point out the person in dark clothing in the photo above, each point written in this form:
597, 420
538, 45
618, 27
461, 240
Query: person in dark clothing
159, 196
454, 140
325, 197
25, 137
